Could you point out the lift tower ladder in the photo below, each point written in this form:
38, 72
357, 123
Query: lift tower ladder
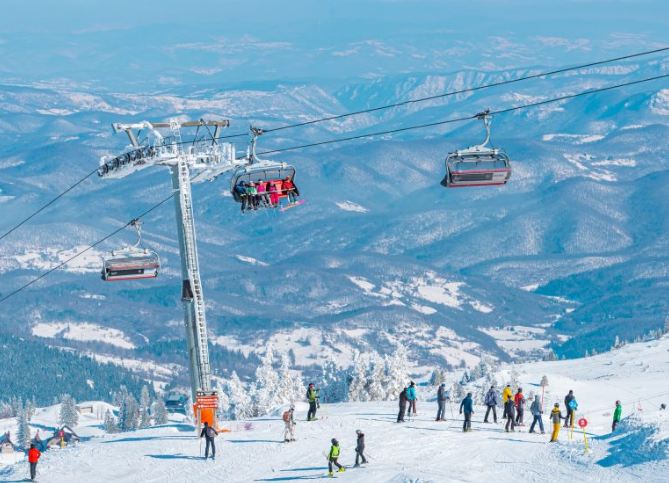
195, 162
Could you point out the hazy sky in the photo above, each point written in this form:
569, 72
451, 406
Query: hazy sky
169, 41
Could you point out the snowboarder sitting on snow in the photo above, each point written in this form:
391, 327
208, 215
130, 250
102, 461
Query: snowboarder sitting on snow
33, 458
570, 406
510, 413
617, 414
312, 397
403, 405
360, 448
519, 401
556, 416
467, 405
536, 411
333, 456
209, 434
491, 403
289, 420
507, 394
441, 402
411, 397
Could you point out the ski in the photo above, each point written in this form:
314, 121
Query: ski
291, 205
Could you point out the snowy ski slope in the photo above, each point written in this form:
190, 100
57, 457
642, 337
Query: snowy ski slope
419, 450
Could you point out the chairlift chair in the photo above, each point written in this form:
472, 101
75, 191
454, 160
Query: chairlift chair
131, 262
479, 165
259, 170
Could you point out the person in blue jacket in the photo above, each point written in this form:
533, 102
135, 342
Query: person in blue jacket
467, 406
411, 398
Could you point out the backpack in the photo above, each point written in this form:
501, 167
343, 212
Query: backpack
211, 433
286, 416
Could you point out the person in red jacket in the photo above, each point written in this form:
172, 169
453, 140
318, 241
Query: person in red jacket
33, 458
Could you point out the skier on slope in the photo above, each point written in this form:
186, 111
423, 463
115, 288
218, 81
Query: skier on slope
209, 433
491, 404
333, 456
510, 414
411, 397
403, 405
507, 394
519, 402
33, 458
570, 407
360, 448
312, 397
467, 405
441, 402
617, 414
556, 416
536, 411
289, 422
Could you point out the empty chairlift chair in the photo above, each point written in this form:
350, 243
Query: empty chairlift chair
263, 171
479, 165
131, 262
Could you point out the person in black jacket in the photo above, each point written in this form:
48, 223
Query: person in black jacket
209, 433
510, 412
467, 406
441, 402
360, 448
403, 405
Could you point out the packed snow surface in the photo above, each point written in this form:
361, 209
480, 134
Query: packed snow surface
418, 450
83, 331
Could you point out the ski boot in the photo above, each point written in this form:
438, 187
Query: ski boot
330, 474
341, 470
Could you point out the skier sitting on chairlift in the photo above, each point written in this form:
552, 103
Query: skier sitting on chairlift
290, 189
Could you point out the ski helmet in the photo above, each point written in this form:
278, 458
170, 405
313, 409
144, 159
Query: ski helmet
334, 441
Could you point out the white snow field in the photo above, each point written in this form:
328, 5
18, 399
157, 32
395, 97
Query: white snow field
416, 451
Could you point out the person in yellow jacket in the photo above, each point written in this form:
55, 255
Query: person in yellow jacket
507, 394
556, 416
333, 456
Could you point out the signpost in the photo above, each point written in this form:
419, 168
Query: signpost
583, 423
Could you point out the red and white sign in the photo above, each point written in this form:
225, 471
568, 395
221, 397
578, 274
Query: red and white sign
206, 400
582, 423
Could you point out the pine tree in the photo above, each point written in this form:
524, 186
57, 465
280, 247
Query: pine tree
110, 424
265, 391
240, 402
145, 408
466, 378
395, 372
68, 411
160, 415
374, 375
291, 387
333, 382
437, 377
23, 430
356, 375
128, 418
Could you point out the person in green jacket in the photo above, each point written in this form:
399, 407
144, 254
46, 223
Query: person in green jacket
617, 414
333, 457
312, 398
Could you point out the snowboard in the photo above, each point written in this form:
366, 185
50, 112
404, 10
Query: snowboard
291, 205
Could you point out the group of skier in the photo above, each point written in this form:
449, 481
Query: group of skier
266, 193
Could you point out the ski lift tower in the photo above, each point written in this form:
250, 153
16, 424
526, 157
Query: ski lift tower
193, 161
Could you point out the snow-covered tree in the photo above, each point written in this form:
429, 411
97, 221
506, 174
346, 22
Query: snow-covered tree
291, 387
23, 430
239, 403
437, 377
68, 411
265, 391
456, 392
29, 409
160, 415
333, 382
357, 378
128, 417
110, 424
514, 379
396, 372
374, 375
466, 378
144, 408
